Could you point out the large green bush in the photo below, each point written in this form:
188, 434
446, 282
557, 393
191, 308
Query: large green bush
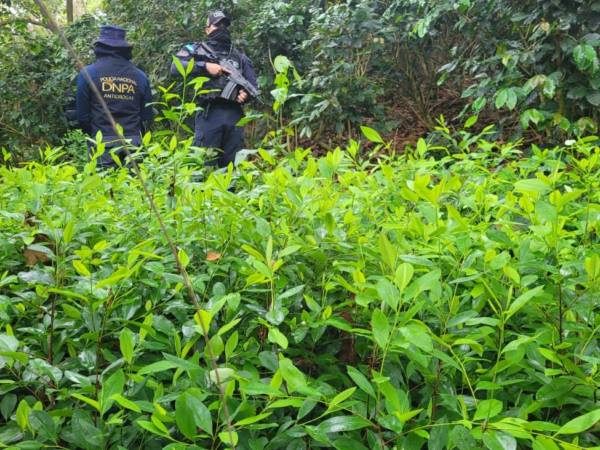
399, 303
37, 84
531, 67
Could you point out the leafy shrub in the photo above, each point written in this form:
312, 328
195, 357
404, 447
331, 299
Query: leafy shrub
530, 67
37, 82
349, 304
538, 59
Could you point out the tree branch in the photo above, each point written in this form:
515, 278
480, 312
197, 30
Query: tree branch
28, 20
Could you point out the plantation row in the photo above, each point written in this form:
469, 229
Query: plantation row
408, 302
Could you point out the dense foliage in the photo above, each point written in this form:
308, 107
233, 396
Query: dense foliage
411, 299
440, 296
530, 66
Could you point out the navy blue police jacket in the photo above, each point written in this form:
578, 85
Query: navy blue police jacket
126, 91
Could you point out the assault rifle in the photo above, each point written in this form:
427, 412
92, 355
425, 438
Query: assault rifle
235, 79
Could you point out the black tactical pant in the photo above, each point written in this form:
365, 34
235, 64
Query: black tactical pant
216, 128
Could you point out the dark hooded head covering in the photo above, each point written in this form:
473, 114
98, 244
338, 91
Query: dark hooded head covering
113, 36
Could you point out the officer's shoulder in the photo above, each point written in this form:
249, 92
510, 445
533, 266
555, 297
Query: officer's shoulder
240, 51
90, 69
245, 58
187, 49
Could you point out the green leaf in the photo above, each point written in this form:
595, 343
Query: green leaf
592, 266
93, 403
86, 434
544, 443
380, 327
228, 326
291, 292
286, 402
44, 426
126, 344
343, 423
159, 424
405, 417
69, 232
203, 318
117, 276
220, 375
190, 414
184, 259
388, 251
499, 441
339, 398
113, 385
345, 443
7, 405
418, 336
294, 378
371, 135
361, 380
531, 115
277, 337
158, 366
522, 300
585, 58
534, 185
486, 409
471, 121
388, 293
71, 311
22, 414
581, 423
231, 344
511, 99
179, 66
125, 403
81, 268
181, 363
290, 250
501, 97
421, 147
281, 64
479, 104
229, 438
251, 420
149, 426
593, 98
404, 274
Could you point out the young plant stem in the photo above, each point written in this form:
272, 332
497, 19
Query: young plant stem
58, 284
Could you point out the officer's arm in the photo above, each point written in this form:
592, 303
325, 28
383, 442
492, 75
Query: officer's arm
248, 71
185, 57
83, 104
249, 74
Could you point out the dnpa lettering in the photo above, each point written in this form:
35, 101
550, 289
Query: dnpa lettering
118, 87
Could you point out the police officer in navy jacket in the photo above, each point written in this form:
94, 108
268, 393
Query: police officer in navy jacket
216, 123
124, 88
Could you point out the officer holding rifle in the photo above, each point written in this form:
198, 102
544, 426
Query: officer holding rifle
232, 84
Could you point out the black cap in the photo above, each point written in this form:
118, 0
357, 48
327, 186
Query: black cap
216, 17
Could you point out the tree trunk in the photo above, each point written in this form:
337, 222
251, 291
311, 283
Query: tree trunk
70, 11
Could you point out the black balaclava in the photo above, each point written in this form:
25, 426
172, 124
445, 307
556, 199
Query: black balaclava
220, 40
102, 50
